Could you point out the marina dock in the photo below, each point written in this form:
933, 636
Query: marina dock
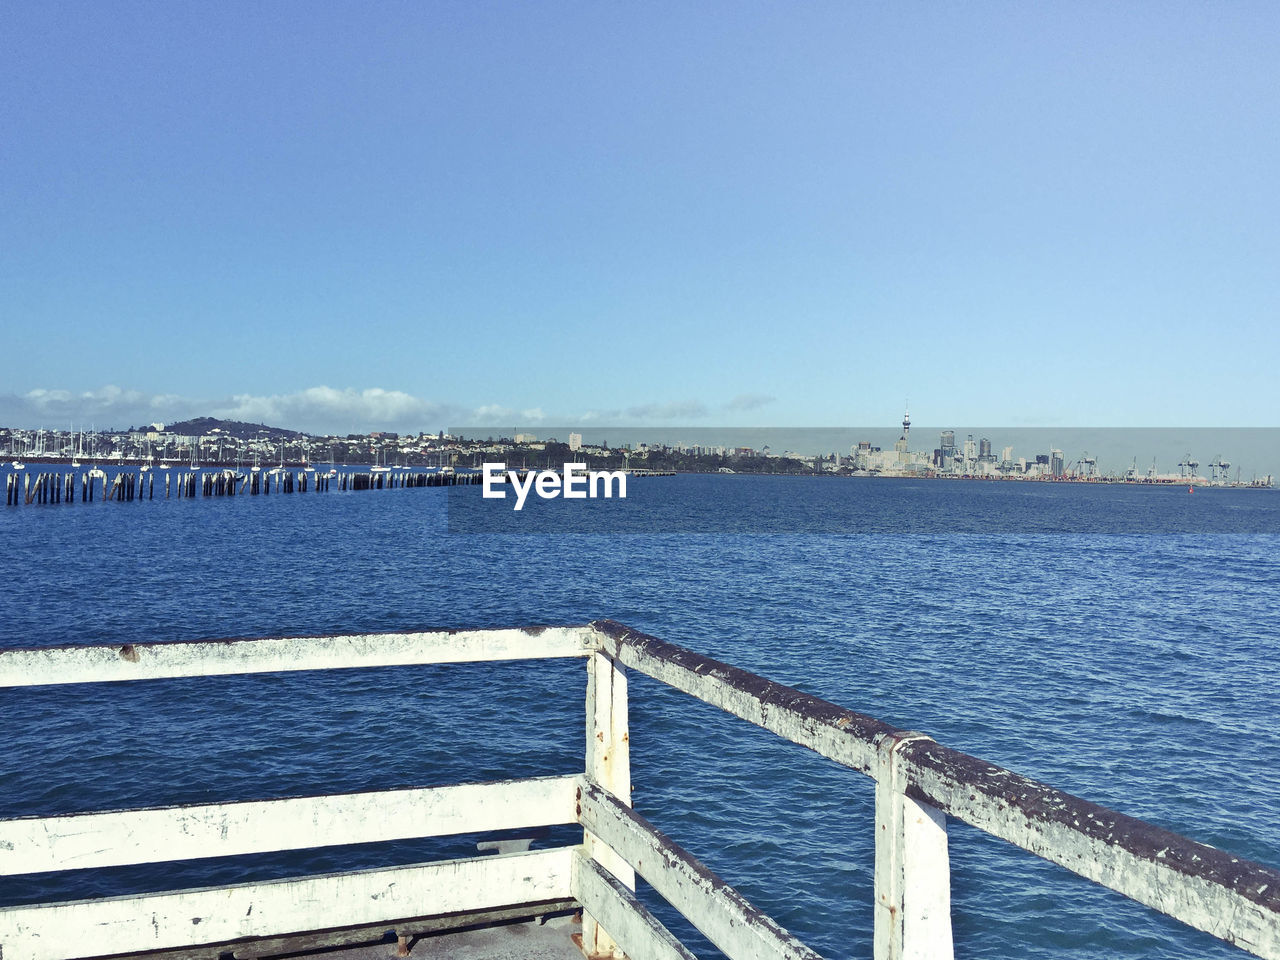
920, 787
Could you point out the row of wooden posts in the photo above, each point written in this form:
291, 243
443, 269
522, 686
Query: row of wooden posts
42, 488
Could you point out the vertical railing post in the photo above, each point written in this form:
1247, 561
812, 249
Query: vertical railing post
913, 871
609, 765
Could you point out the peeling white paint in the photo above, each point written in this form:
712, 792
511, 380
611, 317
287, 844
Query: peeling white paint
912, 919
711, 905
217, 830
64, 931
151, 661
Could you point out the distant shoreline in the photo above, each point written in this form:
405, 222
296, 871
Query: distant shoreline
1197, 482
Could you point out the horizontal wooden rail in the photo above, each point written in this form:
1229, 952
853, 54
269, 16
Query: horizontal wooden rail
114, 838
720, 912
34, 666
1229, 897
637, 931
97, 928
841, 735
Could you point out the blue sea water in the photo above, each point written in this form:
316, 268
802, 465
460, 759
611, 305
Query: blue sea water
1137, 669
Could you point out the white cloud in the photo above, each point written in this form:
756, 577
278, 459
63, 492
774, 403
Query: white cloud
107, 407
321, 409
326, 409
600, 416
493, 413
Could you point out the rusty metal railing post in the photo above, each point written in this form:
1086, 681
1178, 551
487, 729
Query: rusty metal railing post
608, 763
913, 871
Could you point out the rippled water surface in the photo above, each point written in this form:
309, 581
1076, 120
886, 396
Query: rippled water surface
1137, 670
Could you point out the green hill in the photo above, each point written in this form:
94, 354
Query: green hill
232, 428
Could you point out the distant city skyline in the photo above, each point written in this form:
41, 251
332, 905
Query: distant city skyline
1254, 451
403, 216
1251, 452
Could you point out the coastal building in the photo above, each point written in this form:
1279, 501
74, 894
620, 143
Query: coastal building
947, 448
860, 453
575, 442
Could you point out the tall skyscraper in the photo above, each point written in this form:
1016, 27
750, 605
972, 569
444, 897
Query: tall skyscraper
901, 447
947, 450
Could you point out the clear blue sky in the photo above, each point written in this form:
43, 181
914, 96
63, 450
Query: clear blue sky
353, 215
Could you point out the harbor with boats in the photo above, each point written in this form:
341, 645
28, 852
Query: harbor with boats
242, 447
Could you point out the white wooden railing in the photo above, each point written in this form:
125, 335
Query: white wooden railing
919, 783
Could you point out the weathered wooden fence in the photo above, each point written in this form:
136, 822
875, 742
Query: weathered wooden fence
919, 783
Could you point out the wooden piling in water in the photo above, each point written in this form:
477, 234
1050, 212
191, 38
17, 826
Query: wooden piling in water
50, 487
